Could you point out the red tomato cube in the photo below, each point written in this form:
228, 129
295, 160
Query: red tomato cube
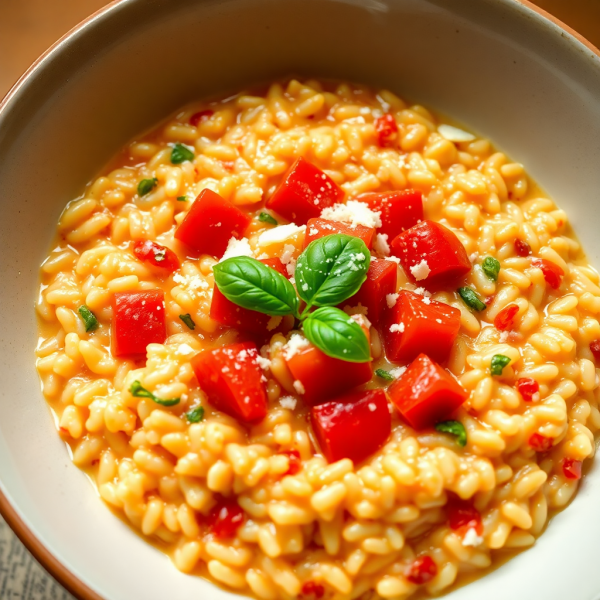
138, 320
304, 192
422, 570
228, 313
318, 228
324, 377
553, 274
400, 210
210, 223
416, 325
352, 426
426, 394
381, 281
431, 255
156, 255
462, 516
571, 468
225, 518
233, 380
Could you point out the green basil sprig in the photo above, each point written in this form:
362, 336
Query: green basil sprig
455, 428
138, 391
329, 271
491, 267
181, 153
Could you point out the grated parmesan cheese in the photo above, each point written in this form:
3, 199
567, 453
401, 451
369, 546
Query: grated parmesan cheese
263, 363
294, 345
391, 300
380, 245
421, 270
192, 282
372, 406
279, 234
299, 387
237, 247
288, 402
471, 538
397, 327
354, 213
287, 256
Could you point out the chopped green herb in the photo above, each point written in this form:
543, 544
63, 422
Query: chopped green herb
88, 317
182, 199
499, 361
471, 299
181, 153
138, 391
455, 428
267, 218
145, 186
491, 267
195, 415
384, 374
187, 319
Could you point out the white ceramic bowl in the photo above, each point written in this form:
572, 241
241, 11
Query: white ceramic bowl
496, 65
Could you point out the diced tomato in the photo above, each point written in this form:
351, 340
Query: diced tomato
324, 377
310, 588
422, 570
527, 387
400, 210
294, 462
426, 394
522, 248
352, 426
505, 319
225, 518
462, 516
595, 349
387, 130
553, 274
572, 468
304, 192
210, 223
233, 381
201, 116
157, 255
138, 320
540, 443
433, 247
416, 325
228, 313
318, 228
381, 281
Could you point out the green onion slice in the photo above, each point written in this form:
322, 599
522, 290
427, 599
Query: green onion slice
88, 317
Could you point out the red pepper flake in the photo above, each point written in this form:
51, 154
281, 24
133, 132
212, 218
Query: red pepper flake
527, 387
294, 461
422, 570
522, 248
155, 254
387, 129
225, 518
540, 443
201, 116
310, 588
505, 319
571, 468
595, 349
552, 273
462, 516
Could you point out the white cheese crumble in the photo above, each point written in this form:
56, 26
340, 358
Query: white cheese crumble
354, 213
294, 345
263, 363
192, 282
273, 322
421, 270
287, 255
454, 134
380, 245
236, 248
391, 300
279, 234
392, 259
372, 406
299, 387
422, 292
397, 372
471, 538
288, 402
397, 327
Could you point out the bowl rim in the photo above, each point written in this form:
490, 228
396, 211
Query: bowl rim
59, 571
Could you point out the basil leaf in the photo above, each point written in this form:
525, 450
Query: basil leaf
337, 335
455, 428
88, 318
195, 415
332, 269
265, 217
471, 299
181, 153
384, 375
187, 319
251, 284
497, 364
181, 198
138, 391
491, 267
145, 186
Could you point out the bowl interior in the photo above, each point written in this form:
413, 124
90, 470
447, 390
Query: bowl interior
496, 66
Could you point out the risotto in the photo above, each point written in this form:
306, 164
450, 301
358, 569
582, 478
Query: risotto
314, 343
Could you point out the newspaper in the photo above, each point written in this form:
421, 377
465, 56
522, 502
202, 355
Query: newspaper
21, 577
